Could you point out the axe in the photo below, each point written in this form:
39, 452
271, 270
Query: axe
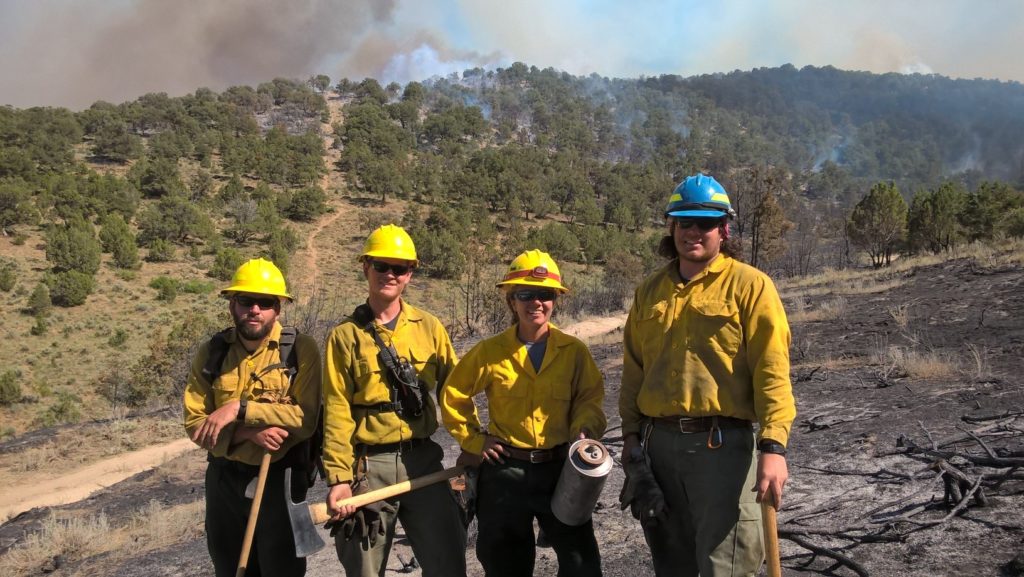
305, 517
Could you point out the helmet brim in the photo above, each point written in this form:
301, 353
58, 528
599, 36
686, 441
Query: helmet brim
233, 290
703, 213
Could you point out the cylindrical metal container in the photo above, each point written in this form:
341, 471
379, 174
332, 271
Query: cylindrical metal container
579, 487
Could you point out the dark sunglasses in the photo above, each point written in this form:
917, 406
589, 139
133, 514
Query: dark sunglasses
396, 269
265, 303
704, 224
543, 295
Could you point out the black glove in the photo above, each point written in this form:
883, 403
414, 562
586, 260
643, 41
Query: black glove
365, 524
641, 493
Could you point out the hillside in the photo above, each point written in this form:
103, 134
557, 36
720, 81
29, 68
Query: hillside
896, 372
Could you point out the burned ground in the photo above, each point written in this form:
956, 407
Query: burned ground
897, 391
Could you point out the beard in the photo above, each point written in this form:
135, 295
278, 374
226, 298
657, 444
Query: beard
250, 333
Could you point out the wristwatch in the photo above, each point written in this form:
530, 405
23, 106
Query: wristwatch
243, 404
773, 447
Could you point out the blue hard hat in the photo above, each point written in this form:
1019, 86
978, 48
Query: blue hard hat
699, 196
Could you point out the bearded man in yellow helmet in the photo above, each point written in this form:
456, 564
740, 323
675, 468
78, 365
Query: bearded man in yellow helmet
706, 354
254, 389
543, 391
384, 364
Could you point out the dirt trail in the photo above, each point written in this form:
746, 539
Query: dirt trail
332, 180
79, 484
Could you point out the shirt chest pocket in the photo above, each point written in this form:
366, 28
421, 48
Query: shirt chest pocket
558, 379
715, 324
506, 383
654, 323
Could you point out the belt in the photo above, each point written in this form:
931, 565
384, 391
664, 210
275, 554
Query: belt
683, 424
398, 447
537, 455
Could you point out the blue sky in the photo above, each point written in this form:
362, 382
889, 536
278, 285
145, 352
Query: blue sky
73, 52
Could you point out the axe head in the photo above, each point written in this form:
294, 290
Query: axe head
307, 539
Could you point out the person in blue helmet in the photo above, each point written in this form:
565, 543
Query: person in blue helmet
705, 356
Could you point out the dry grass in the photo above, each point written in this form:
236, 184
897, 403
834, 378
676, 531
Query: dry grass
977, 367
898, 361
830, 310
74, 538
157, 526
70, 538
901, 315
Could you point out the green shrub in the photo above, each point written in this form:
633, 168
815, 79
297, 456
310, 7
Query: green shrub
119, 388
10, 387
73, 247
167, 288
19, 239
65, 410
8, 276
160, 250
306, 204
119, 338
40, 327
39, 304
70, 288
197, 287
225, 264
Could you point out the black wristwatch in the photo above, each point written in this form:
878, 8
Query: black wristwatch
773, 447
243, 404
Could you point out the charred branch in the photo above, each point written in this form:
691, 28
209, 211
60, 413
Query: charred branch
801, 540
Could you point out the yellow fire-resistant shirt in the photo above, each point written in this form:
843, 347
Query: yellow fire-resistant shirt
271, 401
527, 409
354, 379
717, 345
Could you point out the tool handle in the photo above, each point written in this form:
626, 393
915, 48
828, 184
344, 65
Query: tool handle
254, 512
318, 512
771, 536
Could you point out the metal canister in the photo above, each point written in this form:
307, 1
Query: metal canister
580, 484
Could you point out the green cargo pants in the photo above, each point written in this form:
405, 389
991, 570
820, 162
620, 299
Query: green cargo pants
714, 521
430, 516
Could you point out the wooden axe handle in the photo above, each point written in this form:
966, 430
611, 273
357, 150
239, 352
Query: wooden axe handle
771, 536
254, 513
318, 511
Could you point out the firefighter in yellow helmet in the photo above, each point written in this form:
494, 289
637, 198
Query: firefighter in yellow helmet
543, 392
706, 353
254, 388
384, 364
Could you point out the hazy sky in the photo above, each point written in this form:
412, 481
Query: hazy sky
74, 52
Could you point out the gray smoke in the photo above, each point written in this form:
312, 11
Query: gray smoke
73, 53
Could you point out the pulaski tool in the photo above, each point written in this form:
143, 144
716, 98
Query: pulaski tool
305, 517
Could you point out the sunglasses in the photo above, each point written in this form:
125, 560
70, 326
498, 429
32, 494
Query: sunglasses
704, 224
265, 303
396, 269
543, 295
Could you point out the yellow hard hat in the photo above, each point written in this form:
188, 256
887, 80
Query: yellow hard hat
390, 241
534, 268
258, 276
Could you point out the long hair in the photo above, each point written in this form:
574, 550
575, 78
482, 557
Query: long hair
731, 246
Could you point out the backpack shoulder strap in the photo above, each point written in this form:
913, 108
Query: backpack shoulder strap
288, 354
288, 358
218, 350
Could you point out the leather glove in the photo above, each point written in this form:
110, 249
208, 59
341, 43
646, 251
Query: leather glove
365, 524
641, 493
463, 489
